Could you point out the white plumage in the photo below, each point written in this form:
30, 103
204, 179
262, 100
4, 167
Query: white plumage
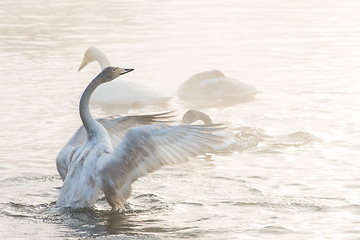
215, 85
95, 166
116, 127
121, 91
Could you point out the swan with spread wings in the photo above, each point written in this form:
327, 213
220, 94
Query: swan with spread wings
99, 164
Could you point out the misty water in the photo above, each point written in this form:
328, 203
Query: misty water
294, 170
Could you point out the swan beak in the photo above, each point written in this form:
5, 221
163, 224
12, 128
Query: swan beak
83, 64
125, 70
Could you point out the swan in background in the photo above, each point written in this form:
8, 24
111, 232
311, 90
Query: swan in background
192, 116
215, 85
95, 166
121, 91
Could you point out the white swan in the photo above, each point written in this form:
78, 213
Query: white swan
95, 167
121, 91
215, 85
192, 116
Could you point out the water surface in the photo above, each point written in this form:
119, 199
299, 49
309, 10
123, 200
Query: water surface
294, 171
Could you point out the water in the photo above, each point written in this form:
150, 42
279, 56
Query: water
294, 172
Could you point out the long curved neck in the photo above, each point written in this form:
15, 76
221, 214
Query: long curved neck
205, 118
102, 59
93, 128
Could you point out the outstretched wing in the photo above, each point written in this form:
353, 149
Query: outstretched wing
117, 127
146, 149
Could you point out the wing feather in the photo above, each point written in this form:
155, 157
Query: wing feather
117, 127
146, 149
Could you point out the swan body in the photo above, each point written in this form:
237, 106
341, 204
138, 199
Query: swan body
192, 116
116, 127
121, 91
95, 166
215, 85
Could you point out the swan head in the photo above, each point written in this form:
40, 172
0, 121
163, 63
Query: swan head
92, 54
110, 73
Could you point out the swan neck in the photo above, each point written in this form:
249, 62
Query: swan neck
102, 60
92, 127
205, 118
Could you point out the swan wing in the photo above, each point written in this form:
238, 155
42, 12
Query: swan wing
116, 127
63, 159
146, 149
